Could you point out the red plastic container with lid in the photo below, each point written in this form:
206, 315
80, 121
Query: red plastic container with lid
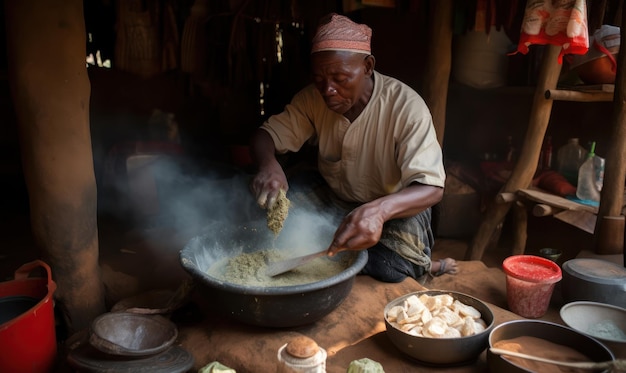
27, 327
530, 282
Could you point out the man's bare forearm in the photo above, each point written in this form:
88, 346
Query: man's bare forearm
263, 150
409, 201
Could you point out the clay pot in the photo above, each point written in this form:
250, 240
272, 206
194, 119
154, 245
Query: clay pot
598, 71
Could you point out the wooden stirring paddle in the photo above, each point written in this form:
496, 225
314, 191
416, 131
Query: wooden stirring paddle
615, 365
277, 268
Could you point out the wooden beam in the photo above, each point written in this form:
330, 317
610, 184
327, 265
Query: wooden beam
506, 197
609, 240
578, 96
541, 209
51, 101
439, 61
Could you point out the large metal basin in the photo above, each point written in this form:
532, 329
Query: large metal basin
282, 306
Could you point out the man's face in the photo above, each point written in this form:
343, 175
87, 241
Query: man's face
340, 77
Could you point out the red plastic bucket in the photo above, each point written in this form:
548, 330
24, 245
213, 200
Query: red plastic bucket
27, 329
530, 282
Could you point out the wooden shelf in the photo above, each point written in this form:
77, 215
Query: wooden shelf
582, 93
592, 88
607, 221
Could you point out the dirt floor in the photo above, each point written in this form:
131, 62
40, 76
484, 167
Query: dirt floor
143, 256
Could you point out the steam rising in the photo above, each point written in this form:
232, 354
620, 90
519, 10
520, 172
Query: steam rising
215, 202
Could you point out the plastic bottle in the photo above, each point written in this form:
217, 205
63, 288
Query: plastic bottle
599, 168
569, 158
590, 177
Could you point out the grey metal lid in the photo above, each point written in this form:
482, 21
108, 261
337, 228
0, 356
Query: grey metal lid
596, 270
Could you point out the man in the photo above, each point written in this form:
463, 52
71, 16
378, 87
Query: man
377, 152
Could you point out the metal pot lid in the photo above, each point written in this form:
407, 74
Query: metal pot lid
596, 270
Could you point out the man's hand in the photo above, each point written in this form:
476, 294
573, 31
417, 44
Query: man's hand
359, 230
266, 184
270, 178
362, 228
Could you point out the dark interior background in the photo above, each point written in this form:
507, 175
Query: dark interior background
217, 106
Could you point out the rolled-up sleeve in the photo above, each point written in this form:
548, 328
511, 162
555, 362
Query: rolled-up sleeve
291, 128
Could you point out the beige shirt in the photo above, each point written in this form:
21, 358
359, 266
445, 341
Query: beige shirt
391, 144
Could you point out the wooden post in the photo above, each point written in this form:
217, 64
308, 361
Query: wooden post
437, 72
525, 168
609, 231
50, 89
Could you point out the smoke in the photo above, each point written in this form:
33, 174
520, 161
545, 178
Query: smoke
306, 231
211, 199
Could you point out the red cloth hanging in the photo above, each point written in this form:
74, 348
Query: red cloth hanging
562, 23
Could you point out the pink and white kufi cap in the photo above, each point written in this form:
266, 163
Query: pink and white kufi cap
340, 33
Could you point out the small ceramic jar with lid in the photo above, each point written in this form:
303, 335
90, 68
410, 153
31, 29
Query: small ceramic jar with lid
301, 355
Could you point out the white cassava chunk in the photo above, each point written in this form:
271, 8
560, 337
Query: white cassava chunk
431, 303
435, 328
415, 307
416, 331
426, 316
392, 314
480, 326
436, 311
447, 300
407, 327
411, 300
450, 317
404, 318
468, 327
466, 310
436, 301
451, 333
